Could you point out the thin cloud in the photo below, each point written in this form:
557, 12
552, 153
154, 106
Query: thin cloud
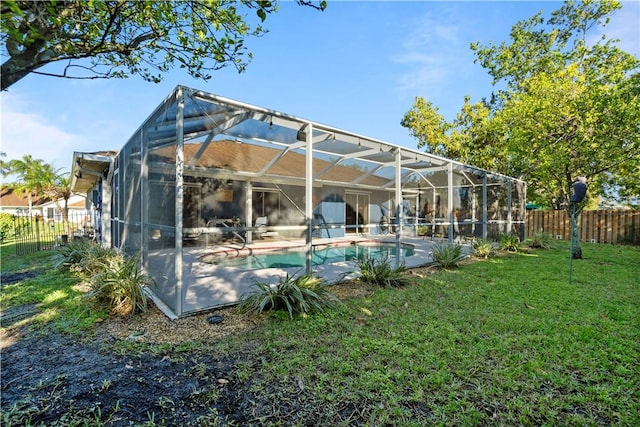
624, 27
430, 54
25, 132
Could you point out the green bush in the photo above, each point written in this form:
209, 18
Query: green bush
296, 295
447, 255
6, 226
540, 240
83, 257
509, 242
115, 280
483, 248
119, 285
378, 271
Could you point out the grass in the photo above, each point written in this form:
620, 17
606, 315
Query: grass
55, 300
504, 341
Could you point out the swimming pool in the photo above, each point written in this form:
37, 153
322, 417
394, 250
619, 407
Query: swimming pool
320, 255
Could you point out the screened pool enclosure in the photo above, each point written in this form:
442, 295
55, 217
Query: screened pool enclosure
206, 176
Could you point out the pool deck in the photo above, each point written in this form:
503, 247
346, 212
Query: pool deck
209, 286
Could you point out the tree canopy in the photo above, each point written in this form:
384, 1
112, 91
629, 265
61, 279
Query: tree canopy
569, 108
115, 39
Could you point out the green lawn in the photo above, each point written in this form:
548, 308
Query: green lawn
506, 341
60, 304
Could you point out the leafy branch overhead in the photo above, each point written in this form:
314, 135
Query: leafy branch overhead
107, 39
567, 106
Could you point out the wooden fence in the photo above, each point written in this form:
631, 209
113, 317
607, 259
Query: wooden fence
602, 226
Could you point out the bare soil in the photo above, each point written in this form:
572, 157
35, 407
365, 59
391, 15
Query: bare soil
55, 379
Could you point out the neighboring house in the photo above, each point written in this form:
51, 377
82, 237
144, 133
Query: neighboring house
76, 207
17, 204
209, 175
11, 202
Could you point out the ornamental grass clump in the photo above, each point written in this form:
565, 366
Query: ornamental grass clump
303, 294
379, 272
83, 257
483, 248
115, 280
120, 285
509, 242
447, 256
540, 240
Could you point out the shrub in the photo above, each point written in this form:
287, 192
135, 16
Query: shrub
509, 242
119, 285
296, 295
447, 255
378, 271
540, 240
83, 257
483, 248
6, 226
115, 280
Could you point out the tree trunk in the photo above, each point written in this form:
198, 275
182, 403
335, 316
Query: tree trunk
21, 63
11, 73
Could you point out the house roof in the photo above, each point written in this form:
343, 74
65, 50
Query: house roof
253, 159
78, 204
87, 168
9, 198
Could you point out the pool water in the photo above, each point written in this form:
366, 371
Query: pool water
319, 256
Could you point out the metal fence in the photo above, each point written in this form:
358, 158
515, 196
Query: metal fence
600, 226
33, 233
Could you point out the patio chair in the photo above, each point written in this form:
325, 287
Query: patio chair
261, 227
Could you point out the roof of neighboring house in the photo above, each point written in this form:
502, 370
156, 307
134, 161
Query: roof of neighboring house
9, 198
78, 204
242, 157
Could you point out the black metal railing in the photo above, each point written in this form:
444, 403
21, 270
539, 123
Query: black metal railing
33, 233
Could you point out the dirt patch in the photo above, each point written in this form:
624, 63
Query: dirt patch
6, 278
48, 379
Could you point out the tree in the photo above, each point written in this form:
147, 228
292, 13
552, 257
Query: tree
465, 138
568, 108
35, 178
115, 39
28, 173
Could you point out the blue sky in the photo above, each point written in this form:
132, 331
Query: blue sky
357, 66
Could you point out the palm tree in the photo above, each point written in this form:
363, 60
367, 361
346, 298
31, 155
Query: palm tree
28, 173
56, 186
35, 178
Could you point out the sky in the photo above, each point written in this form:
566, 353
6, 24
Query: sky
357, 66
